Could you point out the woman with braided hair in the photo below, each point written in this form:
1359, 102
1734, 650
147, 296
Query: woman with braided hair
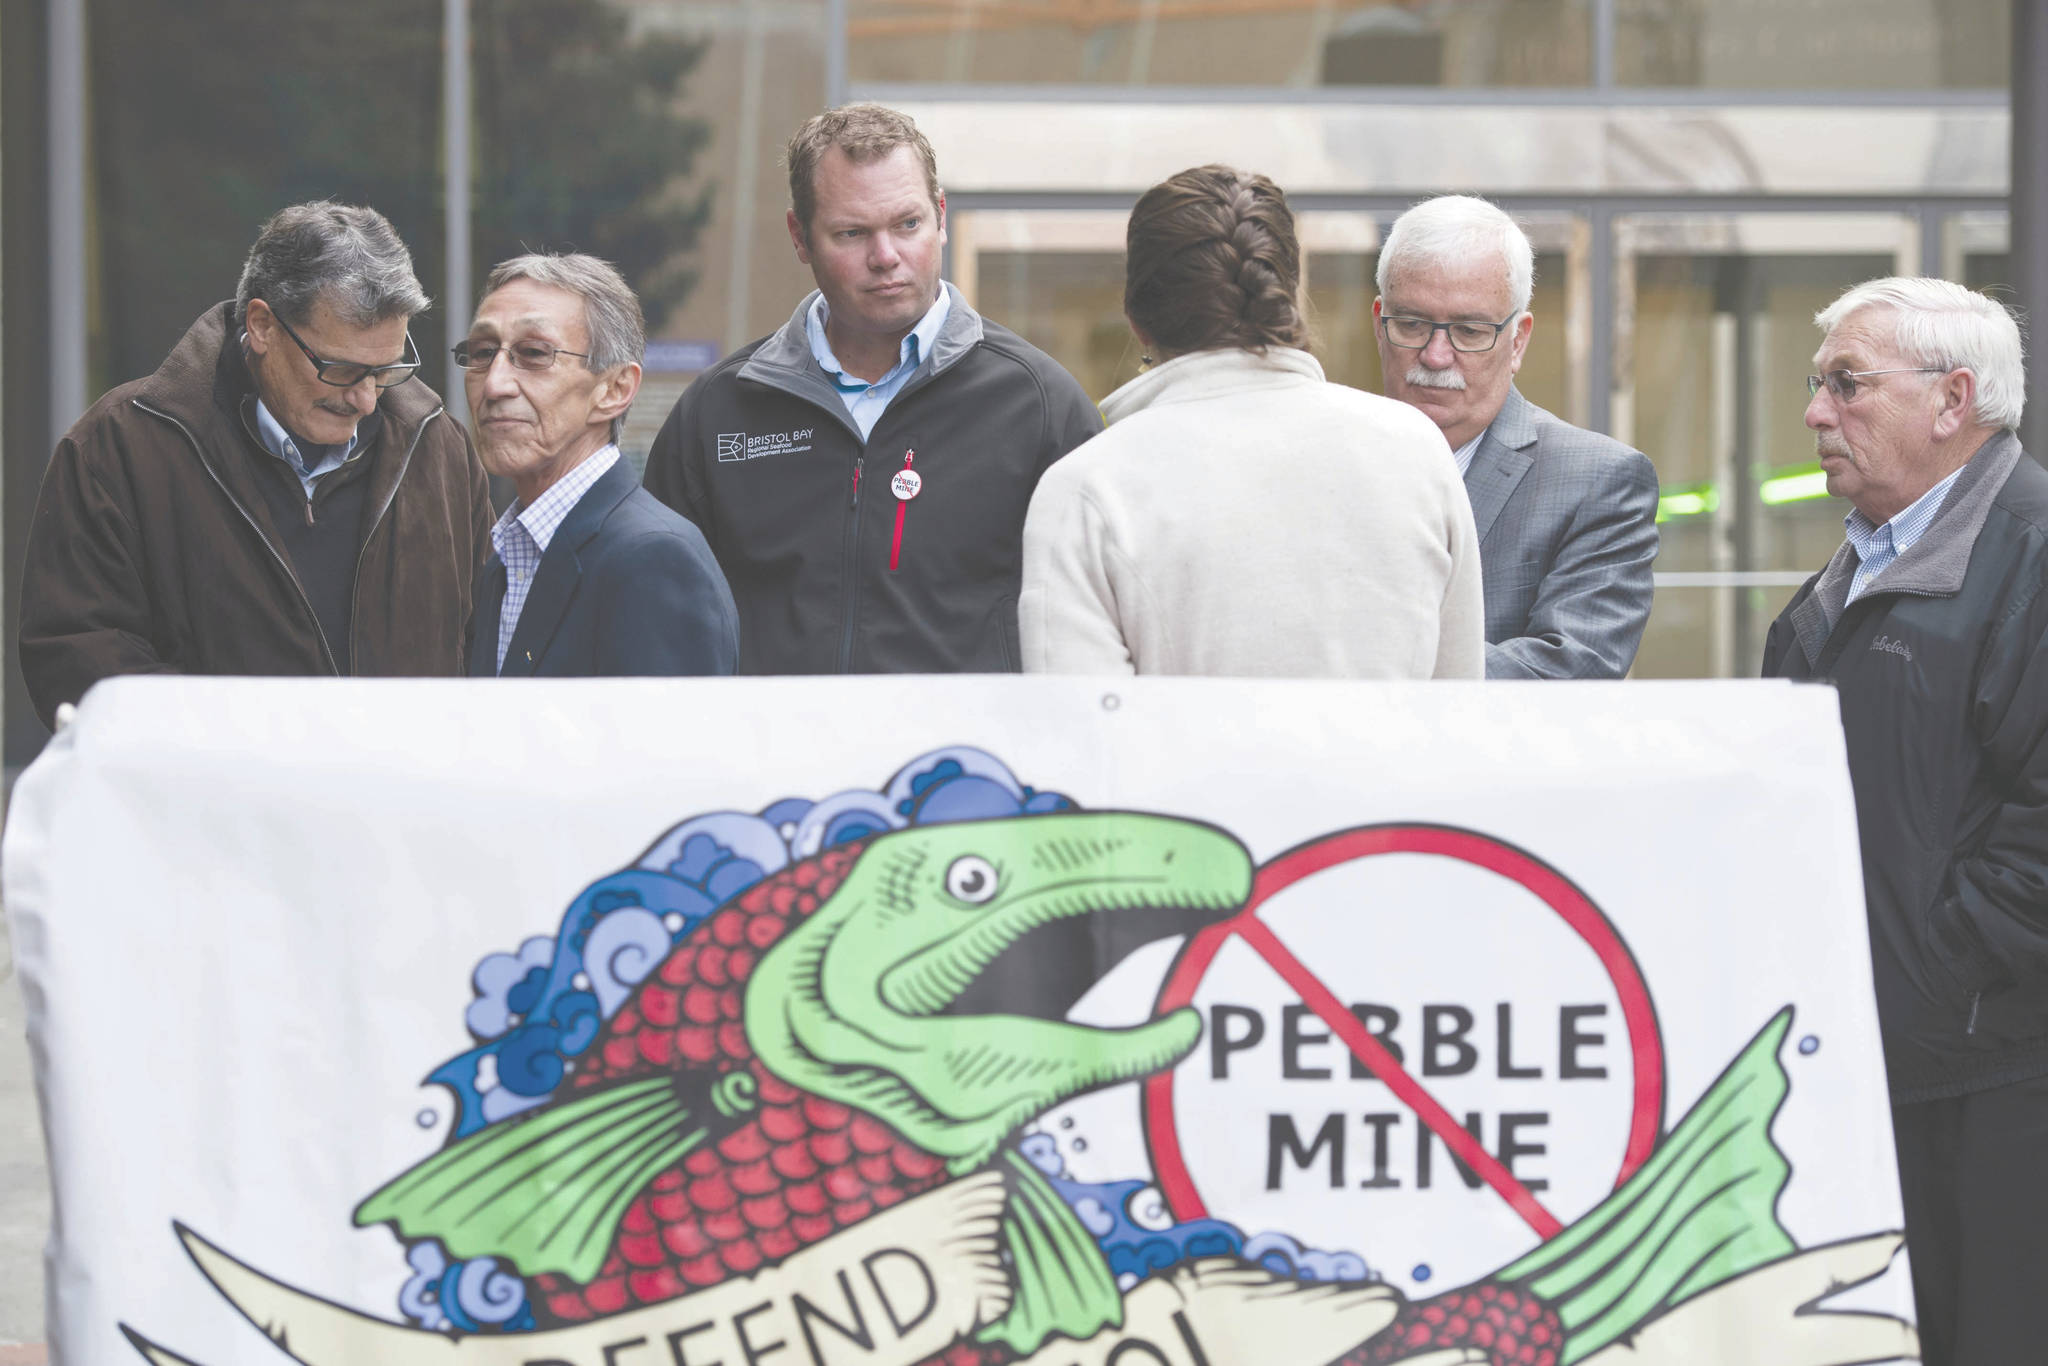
1242, 515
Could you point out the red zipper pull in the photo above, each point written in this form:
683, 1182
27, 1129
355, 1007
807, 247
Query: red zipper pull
854, 501
906, 486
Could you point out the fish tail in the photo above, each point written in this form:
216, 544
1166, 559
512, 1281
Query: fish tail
545, 1193
1702, 1210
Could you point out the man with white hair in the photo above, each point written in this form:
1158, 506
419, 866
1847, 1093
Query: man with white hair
1932, 624
1567, 518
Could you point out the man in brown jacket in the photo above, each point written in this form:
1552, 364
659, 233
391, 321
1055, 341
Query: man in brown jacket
282, 496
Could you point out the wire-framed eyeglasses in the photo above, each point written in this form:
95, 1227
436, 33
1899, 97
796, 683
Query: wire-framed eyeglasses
1846, 384
525, 355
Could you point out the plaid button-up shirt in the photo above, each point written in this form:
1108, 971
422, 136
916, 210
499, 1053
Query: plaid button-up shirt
521, 537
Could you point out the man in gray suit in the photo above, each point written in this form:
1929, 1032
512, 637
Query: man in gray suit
1567, 518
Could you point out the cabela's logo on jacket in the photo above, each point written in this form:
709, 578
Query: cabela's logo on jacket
810, 1084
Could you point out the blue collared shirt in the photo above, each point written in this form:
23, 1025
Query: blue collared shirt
521, 537
866, 402
1877, 547
309, 462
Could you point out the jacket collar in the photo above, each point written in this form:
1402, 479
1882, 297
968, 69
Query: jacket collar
784, 361
201, 385
1503, 457
554, 582
1935, 565
1203, 374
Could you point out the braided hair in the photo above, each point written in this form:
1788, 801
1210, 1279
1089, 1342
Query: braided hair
1211, 262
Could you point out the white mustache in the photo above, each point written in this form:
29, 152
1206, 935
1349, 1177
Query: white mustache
1831, 443
1423, 377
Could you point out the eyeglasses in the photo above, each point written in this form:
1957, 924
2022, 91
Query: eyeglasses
1415, 334
1844, 386
347, 374
523, 355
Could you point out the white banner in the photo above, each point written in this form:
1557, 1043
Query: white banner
967, 1021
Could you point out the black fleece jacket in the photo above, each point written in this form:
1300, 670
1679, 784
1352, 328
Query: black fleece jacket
761, 454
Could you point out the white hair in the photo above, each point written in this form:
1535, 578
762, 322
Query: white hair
1940, 324
1459, 231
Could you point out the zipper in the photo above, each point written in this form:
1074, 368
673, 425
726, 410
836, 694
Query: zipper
1976, 999
326, 651
355, 590
851, 561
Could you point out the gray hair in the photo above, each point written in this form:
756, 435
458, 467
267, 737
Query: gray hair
1459, 231
611, 311
349, 256
1938, 323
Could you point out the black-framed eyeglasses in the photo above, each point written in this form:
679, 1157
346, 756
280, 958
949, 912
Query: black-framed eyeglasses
1845, 385
526, 355
1415, 334
347, 374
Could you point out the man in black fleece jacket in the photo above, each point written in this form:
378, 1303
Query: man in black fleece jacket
862, 475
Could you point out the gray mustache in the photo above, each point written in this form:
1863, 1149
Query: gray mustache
1422, 377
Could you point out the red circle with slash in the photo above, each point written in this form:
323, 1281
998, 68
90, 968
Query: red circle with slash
1566, 900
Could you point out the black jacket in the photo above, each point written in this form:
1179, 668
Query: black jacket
625, 587
1942, 668
761, 454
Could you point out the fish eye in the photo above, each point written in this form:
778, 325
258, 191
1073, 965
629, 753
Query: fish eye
971, 879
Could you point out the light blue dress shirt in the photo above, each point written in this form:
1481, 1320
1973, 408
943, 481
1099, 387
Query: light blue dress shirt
281, 444
866, 402
1877, 546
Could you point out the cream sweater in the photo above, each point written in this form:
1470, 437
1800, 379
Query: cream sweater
1243, 516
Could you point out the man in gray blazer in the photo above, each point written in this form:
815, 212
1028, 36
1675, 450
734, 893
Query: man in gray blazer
1567, 518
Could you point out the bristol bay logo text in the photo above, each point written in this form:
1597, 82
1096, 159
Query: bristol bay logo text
741, 446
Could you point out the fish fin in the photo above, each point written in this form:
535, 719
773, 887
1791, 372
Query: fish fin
1701, 1210
546, 1192
1063, 1283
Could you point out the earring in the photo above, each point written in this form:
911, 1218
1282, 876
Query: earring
1146, 362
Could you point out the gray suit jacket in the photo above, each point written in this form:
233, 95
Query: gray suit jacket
1567, 524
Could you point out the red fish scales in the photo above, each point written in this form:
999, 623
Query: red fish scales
798, 1170
1512, 1326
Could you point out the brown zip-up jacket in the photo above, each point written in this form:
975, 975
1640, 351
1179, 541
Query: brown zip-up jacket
153, 548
